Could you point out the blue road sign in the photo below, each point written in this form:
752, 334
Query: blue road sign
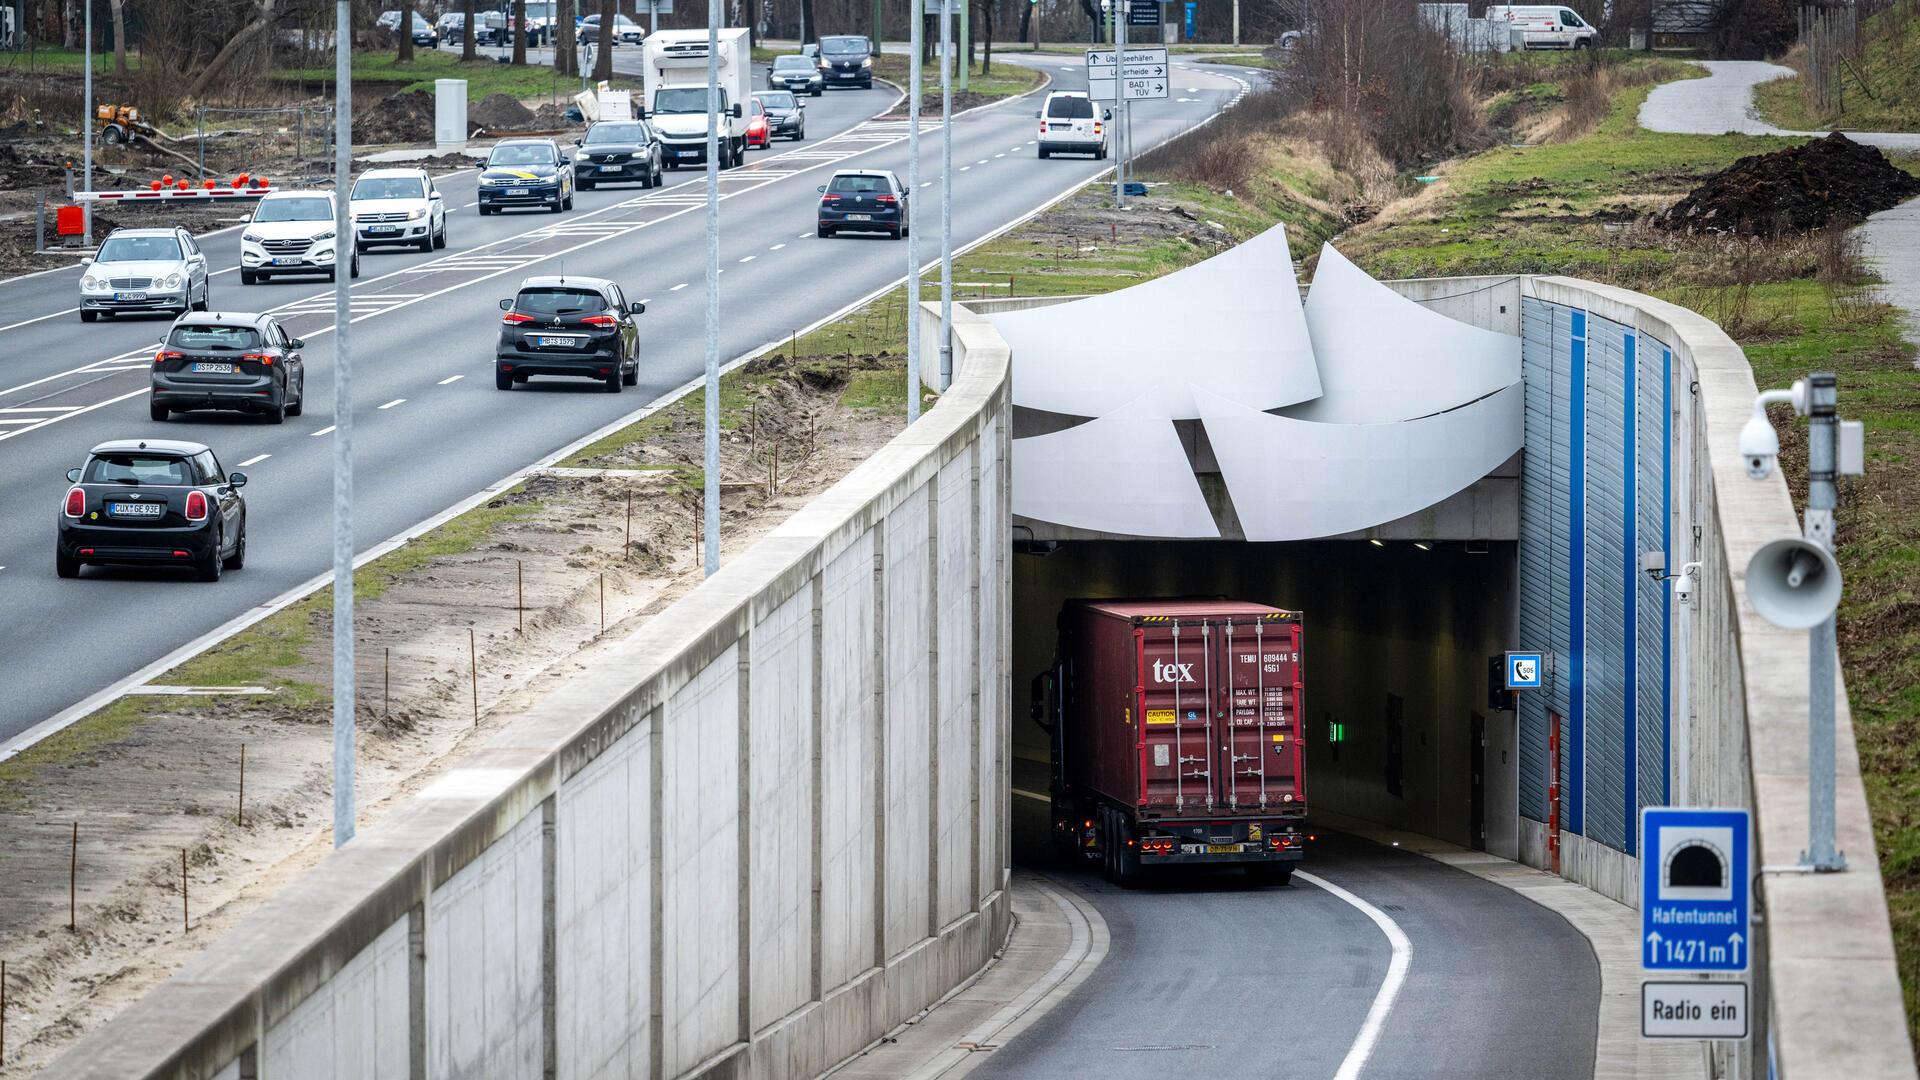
1694, 889
1526, 670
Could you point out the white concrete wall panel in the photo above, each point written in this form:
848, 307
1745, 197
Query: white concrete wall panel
1296, 480
987, 674
1124, 472
352, 1028
780, 836
603, 900
909, 637
1383, 357
484, 963
1092, 356
849, 719
953, 816
700, 866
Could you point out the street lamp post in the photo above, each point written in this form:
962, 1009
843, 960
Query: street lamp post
86, 132
343, 712
946, 194
711, 492
913, 235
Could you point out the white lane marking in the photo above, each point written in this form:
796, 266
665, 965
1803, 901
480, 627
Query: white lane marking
964, 168
395, 401
803, 235
254, 460
982, 161
37, 318
926, 183
21, 419
328, 430
776, 247
40, 408
450, 379
71, 413
999, 155
1376, 1020
678, 287
750, 258
471, 204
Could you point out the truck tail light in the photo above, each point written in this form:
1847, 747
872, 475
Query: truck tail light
76, 502
196, 506
515, 318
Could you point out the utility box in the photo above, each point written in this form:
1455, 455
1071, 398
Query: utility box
615, 105
69, 221
449, 112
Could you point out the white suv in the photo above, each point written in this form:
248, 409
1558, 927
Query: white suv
397, 206
292, 232
1072, 123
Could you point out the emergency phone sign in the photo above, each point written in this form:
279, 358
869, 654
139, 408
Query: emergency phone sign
1526, 670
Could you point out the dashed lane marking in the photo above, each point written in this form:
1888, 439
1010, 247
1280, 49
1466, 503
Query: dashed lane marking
255, 460
395, 401
450, 379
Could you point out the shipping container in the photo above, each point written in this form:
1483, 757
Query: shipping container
1176, 734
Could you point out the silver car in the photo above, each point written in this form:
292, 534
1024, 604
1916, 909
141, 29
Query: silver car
145, 270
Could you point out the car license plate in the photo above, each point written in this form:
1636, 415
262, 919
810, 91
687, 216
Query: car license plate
286, 262
610, 168
383, 228
136, 509
1223, 849
129, 296
859, 217
204, 368
548, 341
688, 153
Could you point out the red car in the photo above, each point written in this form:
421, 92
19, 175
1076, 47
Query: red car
757, 131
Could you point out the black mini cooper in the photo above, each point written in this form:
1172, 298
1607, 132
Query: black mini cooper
152, 501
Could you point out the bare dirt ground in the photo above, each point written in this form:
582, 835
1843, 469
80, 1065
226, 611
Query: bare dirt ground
145, 791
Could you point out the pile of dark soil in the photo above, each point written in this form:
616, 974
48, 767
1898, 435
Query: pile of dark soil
500, 112
405, 117
23, 165
551, 117
1799, 189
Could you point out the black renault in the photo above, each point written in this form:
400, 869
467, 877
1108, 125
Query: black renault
575, 326
229, 360
152, 502
847, 60
865, 200
618, 151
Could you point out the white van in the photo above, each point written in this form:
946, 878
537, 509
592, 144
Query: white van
1546, 26
1073, 123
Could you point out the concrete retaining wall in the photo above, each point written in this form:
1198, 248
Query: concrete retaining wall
762, 831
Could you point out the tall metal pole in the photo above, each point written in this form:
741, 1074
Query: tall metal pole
946, 194
711, 493
1120, 104
917, 20
86, 131
1823, 452
343, 752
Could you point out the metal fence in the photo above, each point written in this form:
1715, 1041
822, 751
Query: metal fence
1836, 51
263, 140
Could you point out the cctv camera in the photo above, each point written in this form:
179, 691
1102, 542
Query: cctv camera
1759, 444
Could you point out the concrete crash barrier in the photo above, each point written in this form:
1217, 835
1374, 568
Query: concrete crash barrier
765, 830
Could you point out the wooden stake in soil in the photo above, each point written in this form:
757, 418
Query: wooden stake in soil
73, 877
473, 674
241, 813
520, 594
627, 544
603, 602
184, 925
3, 1011
386, 684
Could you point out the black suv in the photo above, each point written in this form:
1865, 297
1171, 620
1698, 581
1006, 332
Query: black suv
152, 501
577, 326
847, 60
618, 151
229, 360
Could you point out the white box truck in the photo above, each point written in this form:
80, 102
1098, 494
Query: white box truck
675, 86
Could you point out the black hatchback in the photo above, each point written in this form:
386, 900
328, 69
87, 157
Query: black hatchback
229, 360
869, 200
575, 326
152, 502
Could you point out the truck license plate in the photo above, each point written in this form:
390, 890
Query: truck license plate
1223, 849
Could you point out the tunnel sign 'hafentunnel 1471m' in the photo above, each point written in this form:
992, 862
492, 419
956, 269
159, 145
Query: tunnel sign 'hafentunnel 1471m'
1693, 889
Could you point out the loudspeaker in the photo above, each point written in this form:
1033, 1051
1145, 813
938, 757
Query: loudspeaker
1793, 583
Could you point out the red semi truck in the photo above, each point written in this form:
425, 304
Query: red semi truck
1176, 735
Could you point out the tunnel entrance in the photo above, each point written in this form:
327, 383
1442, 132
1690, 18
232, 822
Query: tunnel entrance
1396, 724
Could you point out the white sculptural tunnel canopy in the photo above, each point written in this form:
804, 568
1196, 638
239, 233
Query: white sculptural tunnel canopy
1384, 407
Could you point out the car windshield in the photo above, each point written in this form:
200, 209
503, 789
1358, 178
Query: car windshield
231, 338
558, 301
388, 187
521, 154
137, 470
686, 99
791, 63
859, 185
1070, 108
781, 100
840, 46
139, 249
759, 109
295, 210
616, 133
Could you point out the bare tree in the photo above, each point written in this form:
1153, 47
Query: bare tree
566, 56
809, 32
468, 34
519, 32
987, 12
603, 60
264, 14
404, 27
119, 37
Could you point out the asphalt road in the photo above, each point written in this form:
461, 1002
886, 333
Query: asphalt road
1723, 102
430, 428
1210, 976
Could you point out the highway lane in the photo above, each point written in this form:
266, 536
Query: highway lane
1210, 976
430, 427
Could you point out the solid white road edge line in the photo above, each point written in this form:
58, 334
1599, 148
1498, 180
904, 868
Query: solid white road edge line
1376, 1020
67, 717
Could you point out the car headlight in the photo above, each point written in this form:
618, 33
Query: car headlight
489, 181
90, 283
171, 281
867, 63
416, 214
249, 238
328, 235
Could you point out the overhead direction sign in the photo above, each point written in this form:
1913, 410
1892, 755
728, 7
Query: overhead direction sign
1694, 889
1145, 73
1693, 1010
1526, 670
